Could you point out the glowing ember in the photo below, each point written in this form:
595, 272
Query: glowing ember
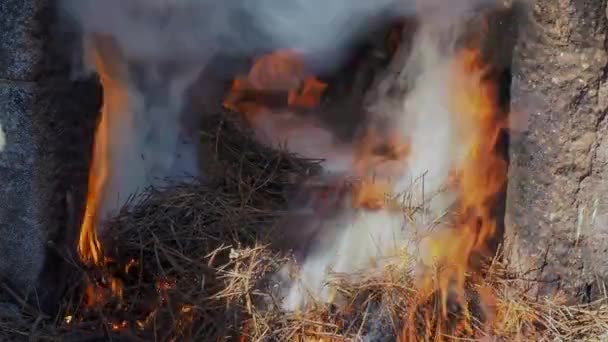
278, 72
309, 96
371, 195
95, 295
120, 325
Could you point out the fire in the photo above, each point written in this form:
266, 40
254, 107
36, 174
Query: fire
101, 286
478, 181
378, 158
372, 195
281, 72
89, 246
284, 72
380, 155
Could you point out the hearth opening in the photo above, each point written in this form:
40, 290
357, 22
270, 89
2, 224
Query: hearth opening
252, 183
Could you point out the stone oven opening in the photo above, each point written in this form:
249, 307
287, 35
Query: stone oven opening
135, 111
265, 173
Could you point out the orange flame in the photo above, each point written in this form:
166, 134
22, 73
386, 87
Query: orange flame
89, 245
275, 73
310, 94
115, 100
478, 181
90, 248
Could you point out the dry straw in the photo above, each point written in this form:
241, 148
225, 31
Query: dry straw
193, 263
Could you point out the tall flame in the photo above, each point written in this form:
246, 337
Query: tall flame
478, 180
114, 100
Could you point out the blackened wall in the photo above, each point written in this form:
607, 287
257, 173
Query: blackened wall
47, 119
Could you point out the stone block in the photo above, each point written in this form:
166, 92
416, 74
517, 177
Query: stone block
20, 39
21, 234
47, 120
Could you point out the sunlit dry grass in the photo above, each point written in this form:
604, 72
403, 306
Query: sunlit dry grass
195, 264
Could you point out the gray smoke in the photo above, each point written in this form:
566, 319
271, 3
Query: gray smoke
192, 30
367, 241
424, 116
161, 47
155, 50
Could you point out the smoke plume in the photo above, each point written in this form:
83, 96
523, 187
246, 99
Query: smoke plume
154, 50
364, 240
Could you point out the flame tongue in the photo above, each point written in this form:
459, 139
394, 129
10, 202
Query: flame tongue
483, 174
114, 101
477, 180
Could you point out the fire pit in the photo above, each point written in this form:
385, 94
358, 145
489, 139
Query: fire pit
250, 177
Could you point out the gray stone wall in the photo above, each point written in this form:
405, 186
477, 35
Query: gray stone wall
21, 236
47, 120
557, 198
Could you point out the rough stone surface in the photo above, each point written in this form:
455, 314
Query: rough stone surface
21, 236
47, 121
557, 203
20, 41
2, 138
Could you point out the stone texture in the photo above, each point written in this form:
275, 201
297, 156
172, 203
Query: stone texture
21, 237
47, 119
64, 124
20, 41
557, 204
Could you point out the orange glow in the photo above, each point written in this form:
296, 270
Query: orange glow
280, 70
120, 325
378, 158
89, 246
95, 296
283, 72
310, 94
478, 180
236, 102
380, 154
280, 73
371, 195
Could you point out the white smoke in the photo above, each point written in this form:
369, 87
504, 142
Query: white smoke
143, 112
164, 45
154, 50
362, 239
190, 31
365, 239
